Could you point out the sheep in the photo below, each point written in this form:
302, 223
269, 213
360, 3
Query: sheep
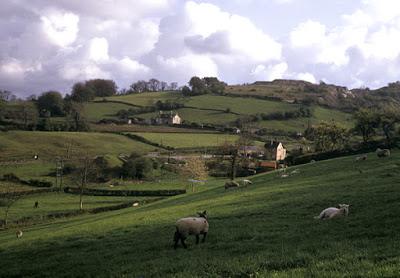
18, 233
246, 182
382, 153
231, 184
135, 204
296, 171
191, 226
363, 157
284, 176
330, 213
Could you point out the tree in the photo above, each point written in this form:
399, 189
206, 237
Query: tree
6, 96
198, 85
366, 122
83, 173
75, 116
173, 86
102, 87
154, 85
328, 137
139, 86
195, 169
137, 167
163, 85
9, 197
82, 93
52, 102
213, 85
387, 122
186, 91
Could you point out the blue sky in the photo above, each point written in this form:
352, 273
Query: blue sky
50, 45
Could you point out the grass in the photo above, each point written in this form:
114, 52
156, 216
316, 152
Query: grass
146, 99
95, 111
188, 140
62, 202
265, 230
23, 145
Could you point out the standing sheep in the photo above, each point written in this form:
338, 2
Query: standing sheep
18, 233
330, 213
231, 184
191, 226
246, 182
382, 153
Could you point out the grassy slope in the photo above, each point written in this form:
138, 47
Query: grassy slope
146, 99
95, 111
267, 229
188, 140
23, 145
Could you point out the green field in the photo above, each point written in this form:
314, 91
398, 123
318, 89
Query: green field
320, 115
188, 140
146, 99
242, 106
95, 111
24, 144
264, 230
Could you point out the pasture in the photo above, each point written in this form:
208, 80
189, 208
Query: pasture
95, 111
266, 229
23, 145
188, 140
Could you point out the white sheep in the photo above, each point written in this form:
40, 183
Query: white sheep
19, 233
330, 213
230, 184
191, 226
382, 153
246, 182
363, 157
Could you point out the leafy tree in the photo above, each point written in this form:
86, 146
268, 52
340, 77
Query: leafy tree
328, 136
82, 93
75, 116
366, 122
137, 167
387, 122
213, 85
198, 85
102, 87
51, 102
186, 91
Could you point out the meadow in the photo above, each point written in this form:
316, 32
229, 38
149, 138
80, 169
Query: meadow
23, 145
95, 111
264, 230
188, 140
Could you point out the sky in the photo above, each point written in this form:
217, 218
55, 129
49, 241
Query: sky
51, 44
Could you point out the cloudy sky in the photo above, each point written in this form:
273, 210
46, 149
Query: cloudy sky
50, 44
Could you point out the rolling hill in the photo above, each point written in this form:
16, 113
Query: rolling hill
263, 230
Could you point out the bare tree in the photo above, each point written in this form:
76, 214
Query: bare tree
82, 175
195, 169
8, 198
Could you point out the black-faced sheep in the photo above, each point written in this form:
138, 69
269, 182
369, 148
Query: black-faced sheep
382, 152
330, 213
18, 233
191, 226
231, 184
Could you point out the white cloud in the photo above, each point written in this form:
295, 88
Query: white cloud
98, 50
306, 76
270, 72
61, 28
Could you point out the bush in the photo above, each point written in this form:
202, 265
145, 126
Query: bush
39, 183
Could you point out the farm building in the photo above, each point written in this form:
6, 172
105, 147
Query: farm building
168, 118
251, 151
275, 150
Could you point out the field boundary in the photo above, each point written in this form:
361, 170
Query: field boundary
119, 193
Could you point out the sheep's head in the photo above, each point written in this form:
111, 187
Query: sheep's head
203, 214
345, 208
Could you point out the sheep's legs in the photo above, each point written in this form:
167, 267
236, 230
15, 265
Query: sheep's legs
204, 237
176, 239
197, 239
183, 242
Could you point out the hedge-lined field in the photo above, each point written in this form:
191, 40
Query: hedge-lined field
95, 111
20, 145
264, 230
188, 140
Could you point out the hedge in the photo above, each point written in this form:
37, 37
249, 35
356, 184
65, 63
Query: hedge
104, 192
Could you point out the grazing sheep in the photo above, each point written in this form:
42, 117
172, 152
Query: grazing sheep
382, 153
191, 226
231, 184
284, 176
246, 182
135, 204
330, 213
360, 158
18, 233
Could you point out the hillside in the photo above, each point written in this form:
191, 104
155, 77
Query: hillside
266, 229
